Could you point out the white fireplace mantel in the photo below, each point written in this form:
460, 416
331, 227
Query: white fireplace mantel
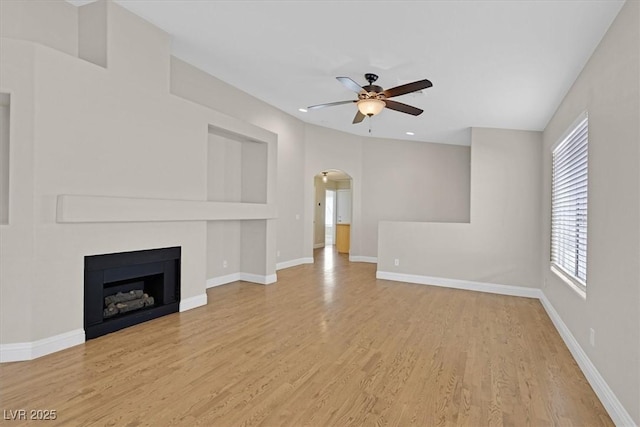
92, 209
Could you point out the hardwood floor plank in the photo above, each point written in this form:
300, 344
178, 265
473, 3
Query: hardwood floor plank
326, 345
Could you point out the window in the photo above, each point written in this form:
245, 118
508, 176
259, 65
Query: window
569, 205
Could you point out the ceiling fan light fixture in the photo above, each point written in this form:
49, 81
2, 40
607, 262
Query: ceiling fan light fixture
370, 106
324, 177
373, 99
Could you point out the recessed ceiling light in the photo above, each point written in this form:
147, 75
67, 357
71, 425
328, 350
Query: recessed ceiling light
303, 110
410, 133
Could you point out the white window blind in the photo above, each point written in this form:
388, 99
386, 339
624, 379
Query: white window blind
569, 204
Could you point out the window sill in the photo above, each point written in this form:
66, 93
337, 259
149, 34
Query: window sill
566, 279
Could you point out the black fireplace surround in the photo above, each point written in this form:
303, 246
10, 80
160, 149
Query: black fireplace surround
155, 271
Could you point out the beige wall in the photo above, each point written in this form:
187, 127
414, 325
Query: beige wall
224, 178
17, 240
50, 23
412, 181
343, 184
501, 243
4, 156
608, 89
319, 210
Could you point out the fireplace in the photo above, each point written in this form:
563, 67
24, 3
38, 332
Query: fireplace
127, 288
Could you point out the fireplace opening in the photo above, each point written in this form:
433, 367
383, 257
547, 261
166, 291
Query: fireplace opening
126, 296
127, 288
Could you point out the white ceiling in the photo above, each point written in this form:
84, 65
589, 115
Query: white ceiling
504, 64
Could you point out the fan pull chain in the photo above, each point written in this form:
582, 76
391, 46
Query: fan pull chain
369, 124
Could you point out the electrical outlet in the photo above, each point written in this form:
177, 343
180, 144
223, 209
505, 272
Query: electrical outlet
278, 254
224, 264
396, 262
592, 337
297, 216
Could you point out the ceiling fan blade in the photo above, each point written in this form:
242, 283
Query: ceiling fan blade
407, 88
403, 108
350, 84
358, 118
330, 104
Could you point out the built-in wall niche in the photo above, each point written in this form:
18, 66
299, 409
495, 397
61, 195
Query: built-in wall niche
5, 114
240, 174
236, 168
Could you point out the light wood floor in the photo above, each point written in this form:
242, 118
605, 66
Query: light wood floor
328, 345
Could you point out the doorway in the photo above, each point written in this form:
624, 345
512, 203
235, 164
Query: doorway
332, 212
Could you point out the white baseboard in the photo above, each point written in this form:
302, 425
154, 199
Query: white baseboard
318, 246
223, 280
359, 258
193, 302
616, 411
257, 278
247, 277
294, 262
32, 350
494, 288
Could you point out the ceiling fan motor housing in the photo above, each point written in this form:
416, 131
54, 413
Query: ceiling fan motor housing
372, 88
370, 77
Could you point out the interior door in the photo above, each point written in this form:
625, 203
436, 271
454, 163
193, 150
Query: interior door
343, 207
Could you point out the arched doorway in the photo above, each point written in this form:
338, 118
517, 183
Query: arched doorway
332, 210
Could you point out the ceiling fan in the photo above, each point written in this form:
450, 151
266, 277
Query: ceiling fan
372, 98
